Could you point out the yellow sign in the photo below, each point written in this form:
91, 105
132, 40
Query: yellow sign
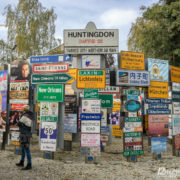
175, 74
16, 143
158, 90
132, 60
73, 73
116, 131
91, 79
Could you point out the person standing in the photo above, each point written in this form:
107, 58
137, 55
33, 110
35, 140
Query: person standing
25, 135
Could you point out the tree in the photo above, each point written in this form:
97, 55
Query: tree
156, 33
31, 27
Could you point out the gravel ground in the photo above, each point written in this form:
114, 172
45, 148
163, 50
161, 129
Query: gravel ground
69, 165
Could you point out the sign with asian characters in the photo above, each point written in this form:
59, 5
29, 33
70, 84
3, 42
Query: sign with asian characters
158, 90
132, 60
91, 79
175, 74
132, 78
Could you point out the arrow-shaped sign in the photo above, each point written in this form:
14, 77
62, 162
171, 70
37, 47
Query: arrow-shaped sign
51, 78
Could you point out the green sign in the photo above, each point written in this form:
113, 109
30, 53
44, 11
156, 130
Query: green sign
91, 94
49, 118
132, 119
131, 92
133, 134
133, 153
91, 72
106, 100
50, 92
51, 78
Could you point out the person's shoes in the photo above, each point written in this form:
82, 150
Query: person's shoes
20, 164
27, 167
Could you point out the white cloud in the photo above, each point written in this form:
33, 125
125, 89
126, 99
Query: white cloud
114, 18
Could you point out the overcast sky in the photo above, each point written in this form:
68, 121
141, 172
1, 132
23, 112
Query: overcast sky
75, 14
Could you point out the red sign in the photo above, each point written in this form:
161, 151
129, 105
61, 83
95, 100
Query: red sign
17, 106
50, 68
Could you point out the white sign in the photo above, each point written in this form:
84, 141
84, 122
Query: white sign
89, 140
110, 89
90, 61
91, 40
132, 114
104, 117
176, 124
15, 136
91, 106
48, 136
90, 126
1, 136
175, 86
176, 107
48, 109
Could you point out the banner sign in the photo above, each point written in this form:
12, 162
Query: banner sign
50, 78
106, 100
158, 90
70, 123
48, 136
158, 144
91, 79
175, 74
91, 94
84, 116
158, 125
91, 106
176, 124
132, 78
90, 140
91, 40
91, 61
176, 96
90, 126
50, 92
50, 59
50, 68
159, 70
132, 60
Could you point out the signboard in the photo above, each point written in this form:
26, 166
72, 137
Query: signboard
90, 126
91, 94
176, 124
116, 131
158, 90
177, 142
132, 78
90, 61
131, 92
50, 78
84, 116
104, 117
90, 151
50, 92
109, 90
73, 74
71, 104
91, 40
91, 106
90, 140
158, 144
175, 86
132, 106
50, 68
132, 60
158, 125
50, 59
114, 118
91, 79
133, 153
175, 74
158, 101
159, 70
15, 136
70, 123
3, 80
48, 136
176, 96
106, 100
176, 107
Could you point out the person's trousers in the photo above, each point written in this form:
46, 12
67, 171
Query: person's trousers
26, 150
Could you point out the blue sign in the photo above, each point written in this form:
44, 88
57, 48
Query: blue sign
130, 97
158, 111
104, 128
158, 101
48, 59
158, 106
158, 144
132, 105
86, 116
70, 123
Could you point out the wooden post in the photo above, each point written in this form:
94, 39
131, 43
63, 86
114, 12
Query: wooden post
173, 146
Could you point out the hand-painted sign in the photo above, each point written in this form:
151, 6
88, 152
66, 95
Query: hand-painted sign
132, 78
48, 136
50, 68
91, 79
159, 70
90, 140
132, 60
132, 105
175, 74
84, 116
158, 144
106, 100
90, 126
50, 78
50, 92
91, 106
91, 94
51, 58
90, 61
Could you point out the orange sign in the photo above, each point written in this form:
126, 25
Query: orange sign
73, 73
16, 143
116, 131
158, 90
132, 60
175, 74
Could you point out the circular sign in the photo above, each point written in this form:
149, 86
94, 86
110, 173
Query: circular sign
132, 105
